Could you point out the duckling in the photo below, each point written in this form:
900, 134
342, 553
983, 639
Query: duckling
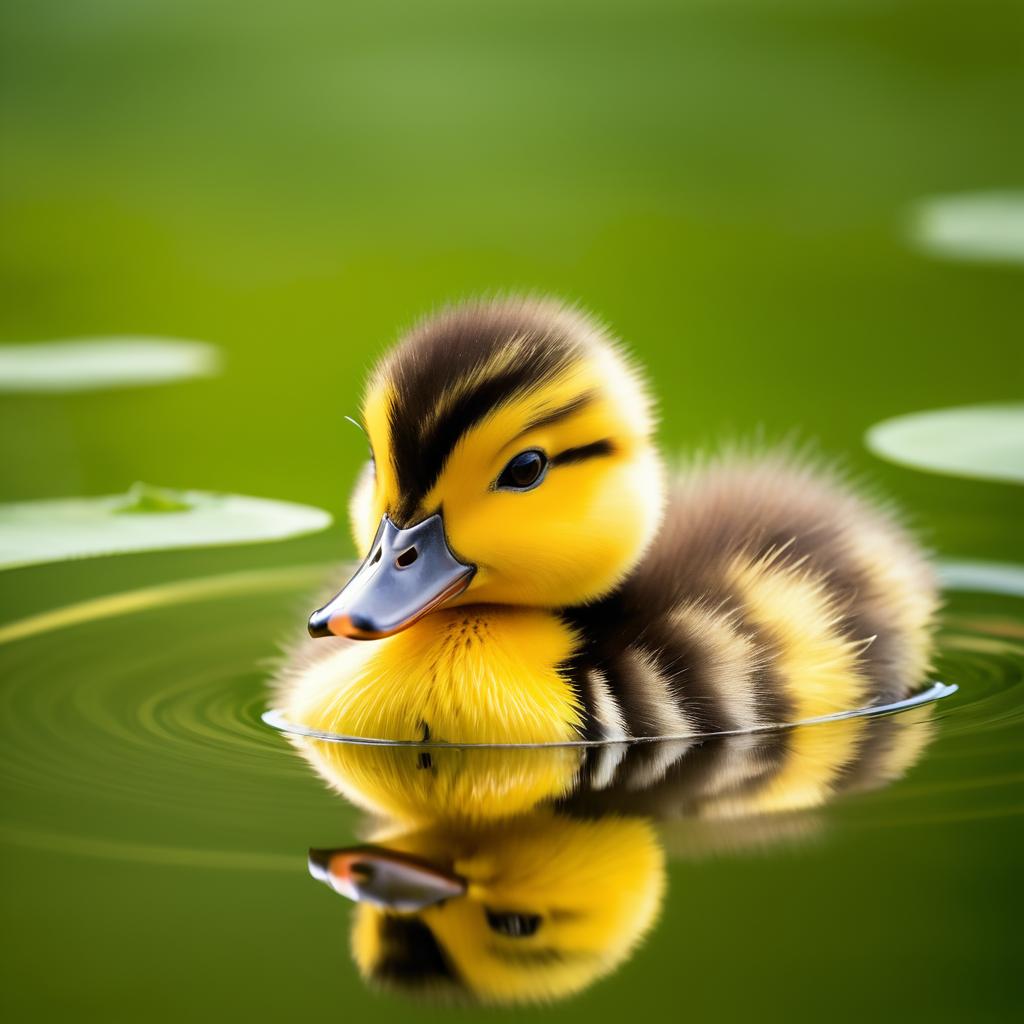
533, 574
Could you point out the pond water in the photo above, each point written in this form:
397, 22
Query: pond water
158, 829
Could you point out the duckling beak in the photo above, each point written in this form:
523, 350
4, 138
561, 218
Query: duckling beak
373, 874
407, 574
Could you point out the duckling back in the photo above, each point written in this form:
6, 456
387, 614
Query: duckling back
773, 593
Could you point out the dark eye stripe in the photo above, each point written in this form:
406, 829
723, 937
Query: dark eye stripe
587, 451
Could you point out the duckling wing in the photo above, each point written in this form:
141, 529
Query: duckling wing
773, 592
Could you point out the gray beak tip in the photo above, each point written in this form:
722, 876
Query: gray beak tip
319, 624
408, 574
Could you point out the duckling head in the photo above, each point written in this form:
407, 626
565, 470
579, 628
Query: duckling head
511, 463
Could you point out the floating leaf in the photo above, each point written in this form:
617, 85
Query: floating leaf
981, 226
985, 442
147, 519
982, 577
90, 364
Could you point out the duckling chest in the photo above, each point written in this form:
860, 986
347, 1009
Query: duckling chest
479, 674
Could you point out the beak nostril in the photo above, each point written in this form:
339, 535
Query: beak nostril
376, 557
406, 558
361, 872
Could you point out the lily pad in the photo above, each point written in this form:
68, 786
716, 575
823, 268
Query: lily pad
982, 577
92, 364
984, 442
980, 226
146, 519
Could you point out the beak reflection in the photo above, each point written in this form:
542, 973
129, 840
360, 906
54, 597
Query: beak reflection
387, 878
406, 574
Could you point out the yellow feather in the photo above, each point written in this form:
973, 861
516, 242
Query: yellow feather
485, 675
820, 675
373, 501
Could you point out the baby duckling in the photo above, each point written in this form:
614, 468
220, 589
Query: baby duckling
532, 575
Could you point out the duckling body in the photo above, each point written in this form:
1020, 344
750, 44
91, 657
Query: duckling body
771, 594
528, 580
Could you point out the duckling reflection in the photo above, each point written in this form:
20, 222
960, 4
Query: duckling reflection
525, 875
525, 909
454, 785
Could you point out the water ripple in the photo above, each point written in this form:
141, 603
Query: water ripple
130, 719
132, 726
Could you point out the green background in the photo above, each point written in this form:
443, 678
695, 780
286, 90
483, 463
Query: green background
727, 183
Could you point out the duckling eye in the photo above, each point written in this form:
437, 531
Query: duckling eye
512, 924
523, 472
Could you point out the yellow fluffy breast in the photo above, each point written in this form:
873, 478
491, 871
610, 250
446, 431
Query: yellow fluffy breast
478, 674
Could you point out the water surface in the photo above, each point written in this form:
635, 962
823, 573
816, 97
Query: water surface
158, 827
